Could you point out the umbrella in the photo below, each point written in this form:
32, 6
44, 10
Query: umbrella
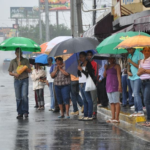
43, 47
108, 45
71, 63
24, 43
105, 56
74, 45
41, 59
138, 41
49, 45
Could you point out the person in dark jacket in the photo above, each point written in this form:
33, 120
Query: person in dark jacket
85, 69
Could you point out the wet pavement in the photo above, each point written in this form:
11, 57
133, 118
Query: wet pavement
44, 131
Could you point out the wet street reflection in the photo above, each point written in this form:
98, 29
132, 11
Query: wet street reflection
44, 131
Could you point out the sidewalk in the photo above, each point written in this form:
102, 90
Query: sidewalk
132, 125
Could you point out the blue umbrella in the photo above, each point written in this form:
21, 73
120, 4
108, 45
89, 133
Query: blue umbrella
42, 59
71, 63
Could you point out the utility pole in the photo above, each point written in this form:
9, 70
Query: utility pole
57, 18
79, 17
47, 19
94, 12
40, 24
74, 22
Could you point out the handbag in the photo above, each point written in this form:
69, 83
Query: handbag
90, 85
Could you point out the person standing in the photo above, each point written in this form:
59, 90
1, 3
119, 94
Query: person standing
101, 87
38, 86
144, 73
113, 87
134, 59
94, 92
75, 96
85, 69
62, 82
21, 83
50, 84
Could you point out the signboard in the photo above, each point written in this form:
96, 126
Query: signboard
24, 12
116, 11
55, 5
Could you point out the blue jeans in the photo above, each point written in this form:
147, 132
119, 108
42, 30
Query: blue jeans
75, 96
21, 92
87, 100
136, 85
51, 89
125, 83
63, 94
146, 92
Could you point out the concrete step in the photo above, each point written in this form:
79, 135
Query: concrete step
124, 115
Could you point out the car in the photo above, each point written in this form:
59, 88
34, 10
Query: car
6, 64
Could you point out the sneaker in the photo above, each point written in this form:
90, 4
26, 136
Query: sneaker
85, 119
133, 107
82, 109
74, 113
90, 118
51, 109
94, 115
19, 117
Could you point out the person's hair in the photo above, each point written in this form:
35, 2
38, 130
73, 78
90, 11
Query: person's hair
59, 58
18, 50
90, 52
83, 53
131, 48
146, 48
50, 58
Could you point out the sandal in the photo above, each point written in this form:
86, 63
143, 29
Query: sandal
139, 115
144, 124
83, 119
115, 121
133, 115
109, 120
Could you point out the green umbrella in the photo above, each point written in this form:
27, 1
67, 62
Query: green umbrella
24, 44
107, 46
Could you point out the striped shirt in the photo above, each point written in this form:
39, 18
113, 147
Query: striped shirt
145, 65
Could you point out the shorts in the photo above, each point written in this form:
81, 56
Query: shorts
114, 97
63, 94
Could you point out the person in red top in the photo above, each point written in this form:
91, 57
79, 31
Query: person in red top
93, 93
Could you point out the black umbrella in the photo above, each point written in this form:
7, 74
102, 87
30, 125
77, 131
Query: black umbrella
106, 56
74, 45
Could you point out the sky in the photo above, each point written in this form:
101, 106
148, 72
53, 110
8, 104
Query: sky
64, 17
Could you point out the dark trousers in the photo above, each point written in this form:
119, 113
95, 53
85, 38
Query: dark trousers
101, 92
40, 97
56, 103
36, 100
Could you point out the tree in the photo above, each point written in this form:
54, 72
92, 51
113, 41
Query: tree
32, 32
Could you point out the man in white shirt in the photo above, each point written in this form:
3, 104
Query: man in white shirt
50, 84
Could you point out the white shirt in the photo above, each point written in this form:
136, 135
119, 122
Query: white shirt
49, 78
82, 79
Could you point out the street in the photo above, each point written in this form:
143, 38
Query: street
44, 131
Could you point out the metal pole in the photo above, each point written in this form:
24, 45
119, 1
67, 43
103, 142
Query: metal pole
47, 19
40, 24
94, 12
72, 17
57, 18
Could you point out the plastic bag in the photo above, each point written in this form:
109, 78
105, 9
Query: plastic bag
21, 69
90, 86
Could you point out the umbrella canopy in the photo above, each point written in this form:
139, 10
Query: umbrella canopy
54, 42
42, 59
24, 43
73, 45
71, 63
138, 41
43, 47
108, 45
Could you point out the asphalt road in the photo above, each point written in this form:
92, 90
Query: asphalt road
44, 131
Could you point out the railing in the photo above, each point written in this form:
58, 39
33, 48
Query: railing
125, 11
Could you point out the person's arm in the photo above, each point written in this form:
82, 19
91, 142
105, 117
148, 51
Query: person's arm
11, 69
33, 76
64, 72
118, 68
53, 74
105, 74
134, 64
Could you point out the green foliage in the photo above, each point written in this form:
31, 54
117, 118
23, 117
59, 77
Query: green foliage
32, 32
